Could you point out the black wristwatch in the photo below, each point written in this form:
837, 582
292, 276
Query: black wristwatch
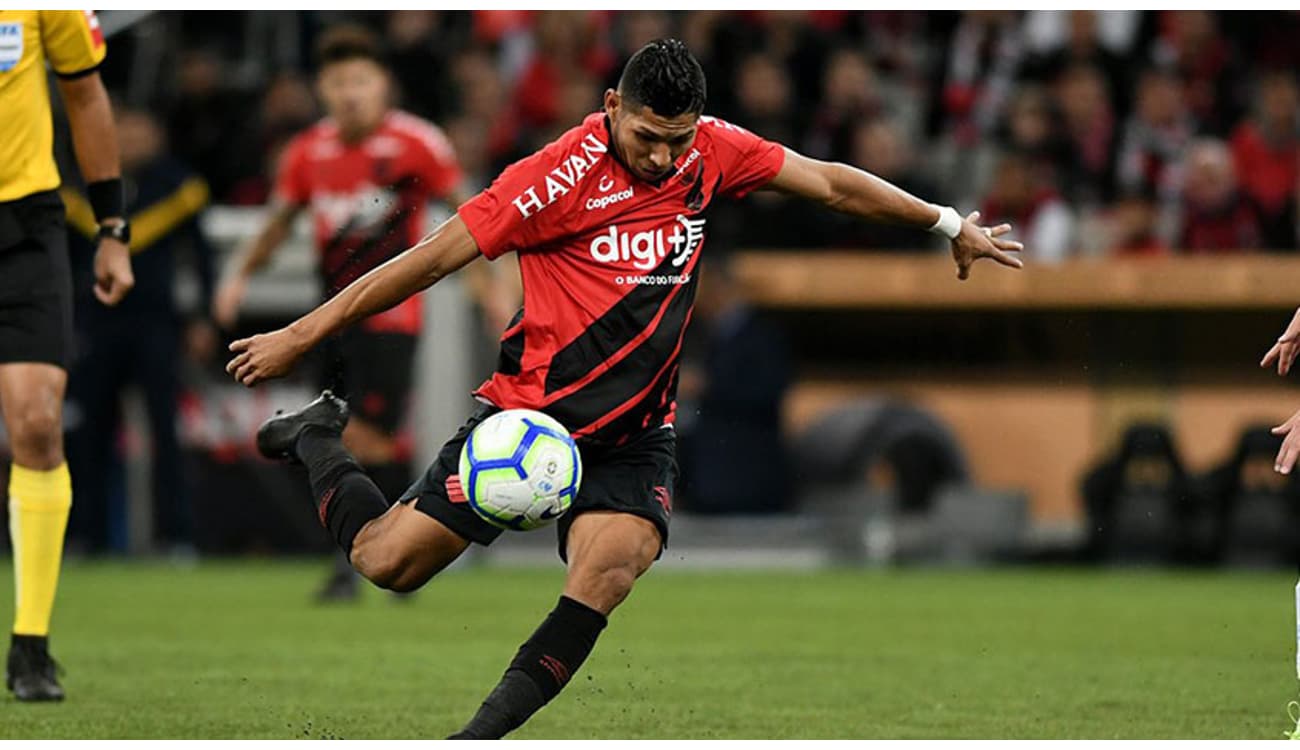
117, 231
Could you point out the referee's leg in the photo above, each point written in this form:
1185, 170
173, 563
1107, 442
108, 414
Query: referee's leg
40, 496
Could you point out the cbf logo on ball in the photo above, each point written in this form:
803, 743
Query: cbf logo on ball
520, 469
646, 249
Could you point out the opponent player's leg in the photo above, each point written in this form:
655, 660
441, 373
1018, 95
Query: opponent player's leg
614, 532
40, 497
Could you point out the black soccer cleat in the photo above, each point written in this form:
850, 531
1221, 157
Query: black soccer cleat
278, 436
31, 672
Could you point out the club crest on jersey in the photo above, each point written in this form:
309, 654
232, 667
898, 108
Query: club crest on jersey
646, 249
560, 180
11, 45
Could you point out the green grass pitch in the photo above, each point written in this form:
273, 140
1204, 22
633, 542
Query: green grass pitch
235, 650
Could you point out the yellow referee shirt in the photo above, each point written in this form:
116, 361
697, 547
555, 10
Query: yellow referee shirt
71, 42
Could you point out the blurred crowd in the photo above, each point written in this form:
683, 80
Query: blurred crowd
1095, 132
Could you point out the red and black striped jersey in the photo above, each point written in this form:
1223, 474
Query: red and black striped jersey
609, 272
367, 199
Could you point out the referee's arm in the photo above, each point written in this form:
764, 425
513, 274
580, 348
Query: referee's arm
94, 138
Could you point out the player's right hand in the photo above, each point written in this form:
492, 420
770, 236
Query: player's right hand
226, 302
1286, 348
265, 356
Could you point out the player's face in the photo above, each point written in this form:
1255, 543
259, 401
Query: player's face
649, 144
355, 93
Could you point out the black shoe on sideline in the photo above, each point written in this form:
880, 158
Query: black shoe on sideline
278, 435
31, 672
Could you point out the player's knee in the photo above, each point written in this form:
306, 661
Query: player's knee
390, 566
382, 564
38, 433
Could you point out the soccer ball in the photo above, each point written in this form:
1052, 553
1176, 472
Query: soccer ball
520, 470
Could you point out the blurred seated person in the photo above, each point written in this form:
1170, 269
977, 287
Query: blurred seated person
881, 148
139, 341
1026, 197
1132, 226
1217, 216
732, 455
1266, 151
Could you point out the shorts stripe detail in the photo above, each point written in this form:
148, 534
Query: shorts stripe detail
455, 493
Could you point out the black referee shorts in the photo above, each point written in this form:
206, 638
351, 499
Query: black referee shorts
638, 477
35, 281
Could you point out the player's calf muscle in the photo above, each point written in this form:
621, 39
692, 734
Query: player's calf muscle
402, 549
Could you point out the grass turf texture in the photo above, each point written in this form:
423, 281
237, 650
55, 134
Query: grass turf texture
236, 650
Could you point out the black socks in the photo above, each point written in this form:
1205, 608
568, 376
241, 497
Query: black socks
541, 668
346, 499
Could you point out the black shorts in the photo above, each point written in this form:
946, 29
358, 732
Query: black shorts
35, 281
638, 477
373, 372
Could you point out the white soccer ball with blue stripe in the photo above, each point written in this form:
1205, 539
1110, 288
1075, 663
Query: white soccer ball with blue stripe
520, 469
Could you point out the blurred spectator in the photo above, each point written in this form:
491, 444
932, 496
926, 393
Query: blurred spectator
1032, 130
1191, 43
1040, 218
1218, 217
1266, 150
1090, 132
848, 97
205, 118
418, 48
881, 148
1080, 45
139, 341
566, 46
732, 454
1132, 225
764, 101
979, 74
483, 98
1156, 136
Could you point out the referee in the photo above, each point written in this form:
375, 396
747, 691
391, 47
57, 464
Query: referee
36, 298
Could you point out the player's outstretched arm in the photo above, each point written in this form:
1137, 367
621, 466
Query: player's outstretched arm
254, 256
271, 355
94, 139
853, 191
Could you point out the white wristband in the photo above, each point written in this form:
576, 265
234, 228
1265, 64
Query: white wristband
949, 223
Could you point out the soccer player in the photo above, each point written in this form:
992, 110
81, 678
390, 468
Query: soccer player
366, 171
36, 298
608, 225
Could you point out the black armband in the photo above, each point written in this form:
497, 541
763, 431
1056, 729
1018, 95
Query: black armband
106, 198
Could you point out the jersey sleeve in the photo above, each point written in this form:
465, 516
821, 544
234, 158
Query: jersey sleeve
73, 41
510, 215
291, 184
747, 161
437, 164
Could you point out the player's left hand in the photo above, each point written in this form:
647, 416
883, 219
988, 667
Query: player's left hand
1290, 450
265, 356
113, 276
975, 242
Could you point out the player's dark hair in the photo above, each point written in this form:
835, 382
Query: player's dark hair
666, 77
348, 42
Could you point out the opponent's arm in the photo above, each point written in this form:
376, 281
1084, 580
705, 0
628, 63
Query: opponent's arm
90, 118
254, 256
853, 191
271, 355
